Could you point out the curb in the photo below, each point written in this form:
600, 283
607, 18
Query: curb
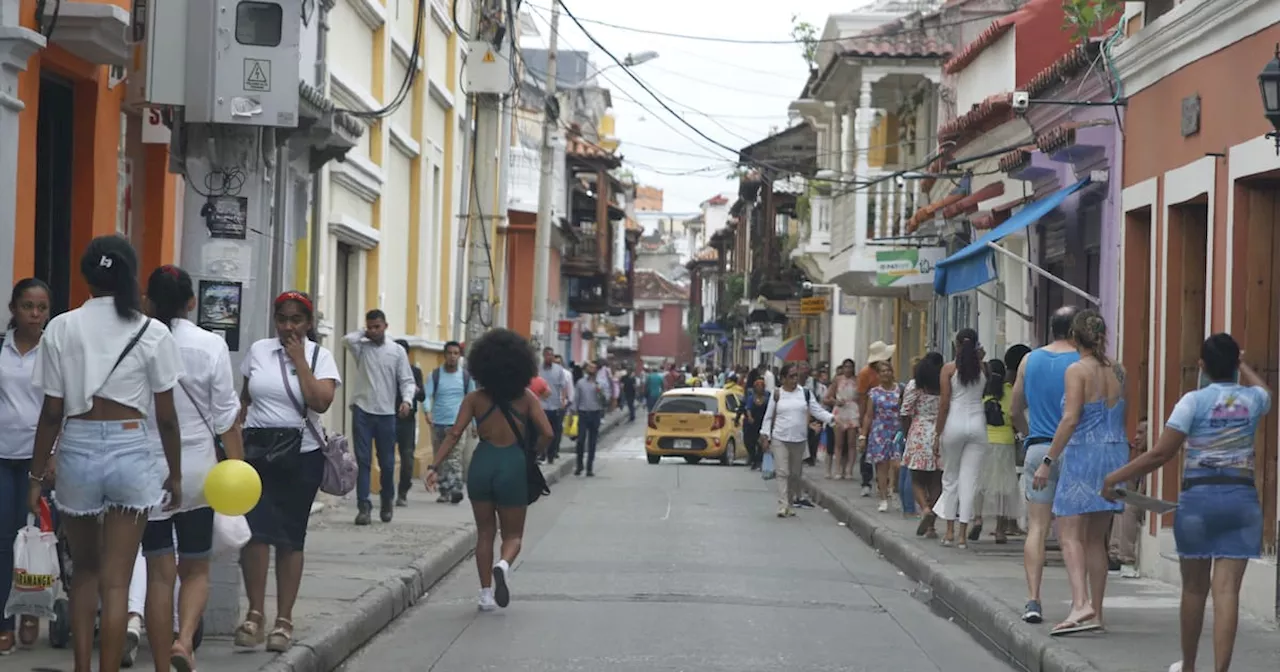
982, 614
382, 604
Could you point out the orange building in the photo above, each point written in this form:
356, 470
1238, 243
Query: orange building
1201, 230
81, 168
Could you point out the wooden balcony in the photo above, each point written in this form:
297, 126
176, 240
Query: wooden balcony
589, 295
585, 254
621, 295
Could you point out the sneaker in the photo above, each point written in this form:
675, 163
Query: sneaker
804, 503
402, 501
866, 491
1176, 667
1032, 613
501, 593
132, 636
486, 602
1113, 565
365, 511
1129, 572
786, 512
455, 498
884, 506
442, 499
387, 512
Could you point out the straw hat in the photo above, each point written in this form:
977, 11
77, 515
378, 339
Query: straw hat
879, 352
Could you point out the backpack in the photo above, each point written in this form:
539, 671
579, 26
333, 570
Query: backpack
435, 383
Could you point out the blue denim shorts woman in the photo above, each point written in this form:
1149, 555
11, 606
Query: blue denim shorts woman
107, 465
1218, 521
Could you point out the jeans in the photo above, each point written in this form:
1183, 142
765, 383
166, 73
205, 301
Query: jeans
407, 444
865, 470
651, 402
13, 516
588, 435
375, 431
631, 408
556, 418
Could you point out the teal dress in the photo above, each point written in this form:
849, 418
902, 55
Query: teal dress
1098, 447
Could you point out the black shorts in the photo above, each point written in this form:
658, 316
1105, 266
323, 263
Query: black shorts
194, 530
288, 491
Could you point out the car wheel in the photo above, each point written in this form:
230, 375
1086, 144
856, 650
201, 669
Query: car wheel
730, 453
654, 459
693, 459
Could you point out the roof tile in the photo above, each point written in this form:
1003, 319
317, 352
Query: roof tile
986, 38
912, 36
653, 286
990, 112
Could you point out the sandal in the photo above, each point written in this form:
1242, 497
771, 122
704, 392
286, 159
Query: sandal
281, 637
1083, 623
181, 659
249, 635
28, 631
6, 643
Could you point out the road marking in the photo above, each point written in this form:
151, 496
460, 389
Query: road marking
668, 513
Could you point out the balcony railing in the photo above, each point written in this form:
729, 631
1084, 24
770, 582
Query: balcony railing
584, 256
589, 295
620, 294
879, 211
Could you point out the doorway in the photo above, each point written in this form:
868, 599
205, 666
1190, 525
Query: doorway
1258, 204
1188, 238
1136, 312
346, 269
55, 131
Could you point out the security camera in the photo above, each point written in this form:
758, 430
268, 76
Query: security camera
1021, 100
807, 286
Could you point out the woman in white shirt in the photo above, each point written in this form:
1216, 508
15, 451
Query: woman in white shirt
289, 380
786, 426
19, 409
208, 409
102, 367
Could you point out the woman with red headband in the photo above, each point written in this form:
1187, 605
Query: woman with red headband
289, 381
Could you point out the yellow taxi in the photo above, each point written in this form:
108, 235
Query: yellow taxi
695, 423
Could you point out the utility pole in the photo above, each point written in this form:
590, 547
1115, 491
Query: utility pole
542, 246
490, 81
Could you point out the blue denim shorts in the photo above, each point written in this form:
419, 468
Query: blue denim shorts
1035, 458
1218, 521
107, 465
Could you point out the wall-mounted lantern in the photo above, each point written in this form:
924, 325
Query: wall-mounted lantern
1269, 84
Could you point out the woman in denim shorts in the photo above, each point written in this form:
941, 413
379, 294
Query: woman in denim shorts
283, 376
208, 409
1218, 525
102, 367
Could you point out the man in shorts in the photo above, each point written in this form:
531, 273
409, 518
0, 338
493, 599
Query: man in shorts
1037, 409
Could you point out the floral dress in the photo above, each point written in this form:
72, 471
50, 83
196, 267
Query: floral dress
885, 424
922, 408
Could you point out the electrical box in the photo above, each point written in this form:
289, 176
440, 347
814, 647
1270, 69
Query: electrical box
488, 69
242, 62
159, 27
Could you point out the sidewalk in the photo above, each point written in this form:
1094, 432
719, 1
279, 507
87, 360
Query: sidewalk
357, 580
984, 588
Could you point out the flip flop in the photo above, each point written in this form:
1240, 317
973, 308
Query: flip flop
1074, 627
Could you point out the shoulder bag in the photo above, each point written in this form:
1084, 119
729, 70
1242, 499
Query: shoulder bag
340, 466
536, 482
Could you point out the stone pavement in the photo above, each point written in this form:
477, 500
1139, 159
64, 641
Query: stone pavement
984, 588
357, 580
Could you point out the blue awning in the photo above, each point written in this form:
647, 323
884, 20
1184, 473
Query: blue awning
974, 265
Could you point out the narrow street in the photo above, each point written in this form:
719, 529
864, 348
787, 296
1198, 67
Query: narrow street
678, 567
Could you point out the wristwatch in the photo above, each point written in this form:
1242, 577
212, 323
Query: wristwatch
431, 467
1048, 461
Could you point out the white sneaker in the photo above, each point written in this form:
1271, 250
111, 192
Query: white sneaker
884, 506
866, 491
132, 636
1176, 667
1129, 572
486, 602
501, 593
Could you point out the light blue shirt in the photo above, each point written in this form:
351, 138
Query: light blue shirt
443, 404
1220, 422
1044, 386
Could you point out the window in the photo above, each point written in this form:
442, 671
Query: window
652, 321
259, 24
687, 403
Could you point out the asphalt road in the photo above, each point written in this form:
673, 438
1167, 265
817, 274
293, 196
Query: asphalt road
678, 567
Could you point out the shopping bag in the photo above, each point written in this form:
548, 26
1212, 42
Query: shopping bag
35, 569
571, 426
230, 534
766, 468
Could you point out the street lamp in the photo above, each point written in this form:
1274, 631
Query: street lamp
1269, 84
636, 59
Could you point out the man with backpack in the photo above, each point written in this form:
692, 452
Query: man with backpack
445, 389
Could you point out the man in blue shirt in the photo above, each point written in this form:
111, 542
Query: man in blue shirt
445, 389
1038, 392
653, 388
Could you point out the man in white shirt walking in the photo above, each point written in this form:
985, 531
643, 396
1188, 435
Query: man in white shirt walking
385, 376
787, 421
555, 400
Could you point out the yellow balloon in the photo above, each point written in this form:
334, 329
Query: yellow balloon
232, 487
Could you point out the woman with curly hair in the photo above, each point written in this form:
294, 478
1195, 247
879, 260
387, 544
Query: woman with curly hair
502, 363
1091, 442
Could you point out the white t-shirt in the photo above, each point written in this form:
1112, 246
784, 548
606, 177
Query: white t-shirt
207, 403
20, 401
271, 405
80, 347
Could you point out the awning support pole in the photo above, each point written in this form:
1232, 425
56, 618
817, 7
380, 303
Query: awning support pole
1027, 318
1047, 275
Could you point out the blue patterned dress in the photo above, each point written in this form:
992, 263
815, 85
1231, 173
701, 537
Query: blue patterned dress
1098, 447
882, 445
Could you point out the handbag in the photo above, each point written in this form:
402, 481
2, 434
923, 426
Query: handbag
340, 466
274, 446
537, 483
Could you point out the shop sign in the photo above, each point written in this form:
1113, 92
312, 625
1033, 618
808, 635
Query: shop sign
813, 305
903, 268
748, 344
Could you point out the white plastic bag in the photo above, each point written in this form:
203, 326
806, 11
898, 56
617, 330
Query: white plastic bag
230, 534
35, 573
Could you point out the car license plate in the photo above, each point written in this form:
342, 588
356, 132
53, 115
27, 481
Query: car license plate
683, 444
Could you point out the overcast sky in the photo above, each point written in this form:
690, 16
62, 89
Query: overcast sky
734, 93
